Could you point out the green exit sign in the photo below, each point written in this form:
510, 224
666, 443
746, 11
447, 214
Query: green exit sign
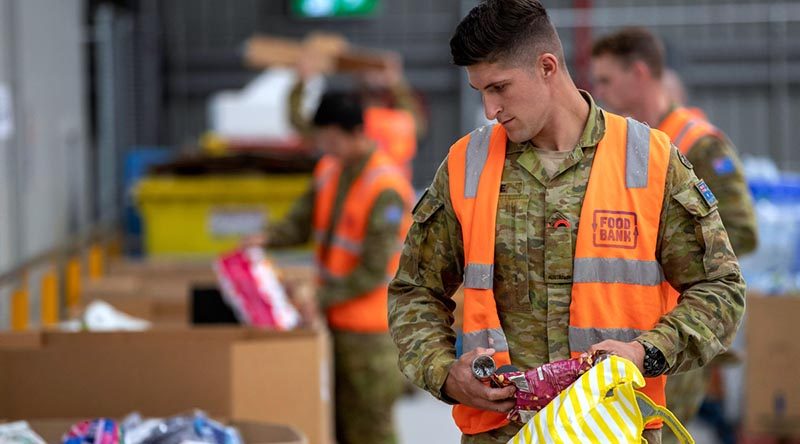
333, 8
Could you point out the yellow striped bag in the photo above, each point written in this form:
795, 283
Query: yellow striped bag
601, 406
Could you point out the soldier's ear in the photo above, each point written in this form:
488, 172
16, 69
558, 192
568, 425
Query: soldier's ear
547, 64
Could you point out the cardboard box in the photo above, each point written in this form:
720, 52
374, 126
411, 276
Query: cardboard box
772, 394
252, 432
154, 290
333, 53
237, 373
160, 290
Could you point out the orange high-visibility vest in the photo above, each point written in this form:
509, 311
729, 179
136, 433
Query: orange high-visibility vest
619, 289
395, 132
341, 254
685, 126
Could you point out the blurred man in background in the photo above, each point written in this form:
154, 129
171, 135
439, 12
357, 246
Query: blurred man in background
502, 217
631, 79
357, 211
393, 116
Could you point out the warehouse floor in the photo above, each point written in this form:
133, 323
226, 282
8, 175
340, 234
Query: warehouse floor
421, 419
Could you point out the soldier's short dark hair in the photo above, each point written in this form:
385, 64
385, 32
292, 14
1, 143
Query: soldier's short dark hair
509, 31
633, 44
341, 109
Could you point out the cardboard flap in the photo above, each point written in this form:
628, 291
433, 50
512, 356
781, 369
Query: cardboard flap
26, 340
773, 363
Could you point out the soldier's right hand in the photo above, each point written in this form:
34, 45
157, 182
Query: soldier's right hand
462, 386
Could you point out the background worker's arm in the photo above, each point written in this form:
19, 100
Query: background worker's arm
420, 297
298, 120
295, 228
380, 243
698, 261
716, 162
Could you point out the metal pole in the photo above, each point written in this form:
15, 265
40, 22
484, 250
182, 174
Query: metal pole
106, 107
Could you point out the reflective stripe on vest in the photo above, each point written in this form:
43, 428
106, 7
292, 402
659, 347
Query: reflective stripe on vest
631, 164
342, 254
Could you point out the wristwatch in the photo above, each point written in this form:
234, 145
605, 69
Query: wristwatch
655, 364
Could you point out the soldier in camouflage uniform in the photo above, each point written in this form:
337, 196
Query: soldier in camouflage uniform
553, 131
367, 382
629, 77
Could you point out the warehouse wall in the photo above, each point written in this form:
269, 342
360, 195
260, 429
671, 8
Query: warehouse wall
202, 41
740, 59
44, 163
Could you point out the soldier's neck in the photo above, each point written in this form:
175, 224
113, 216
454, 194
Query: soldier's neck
654, 107
565, 124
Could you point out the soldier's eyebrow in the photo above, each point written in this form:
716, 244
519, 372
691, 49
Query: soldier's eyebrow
490, 85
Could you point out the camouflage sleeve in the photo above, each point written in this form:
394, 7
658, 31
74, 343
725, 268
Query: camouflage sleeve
295, 228
380, 242
299, 121
420, 296
699, 262
715, 161
406, 100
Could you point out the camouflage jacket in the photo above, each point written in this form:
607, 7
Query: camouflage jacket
379, 244
531, 261
715, 161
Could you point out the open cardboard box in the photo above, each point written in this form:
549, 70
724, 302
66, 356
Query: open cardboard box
51, 430
160, 290
772, 392
229, 372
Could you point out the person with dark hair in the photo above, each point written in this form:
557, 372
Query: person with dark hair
629, 76
357, 211
393, 117
572, 230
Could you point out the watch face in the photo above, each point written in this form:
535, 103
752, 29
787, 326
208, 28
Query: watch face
654, 361
483, 367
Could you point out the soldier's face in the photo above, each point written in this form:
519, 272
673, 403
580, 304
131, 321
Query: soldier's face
615, 84
337, 142
518, 97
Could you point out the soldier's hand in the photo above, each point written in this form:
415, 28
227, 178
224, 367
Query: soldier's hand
462, 386
254, 240
632, 351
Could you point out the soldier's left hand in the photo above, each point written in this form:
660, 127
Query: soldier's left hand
632, 351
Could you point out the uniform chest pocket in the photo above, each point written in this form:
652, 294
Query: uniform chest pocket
511, 253
558, 250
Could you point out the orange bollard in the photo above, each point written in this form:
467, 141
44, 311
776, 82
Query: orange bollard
96, 257
20, 307
73, 282
49, 298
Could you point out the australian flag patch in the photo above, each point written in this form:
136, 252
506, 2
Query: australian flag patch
705, 191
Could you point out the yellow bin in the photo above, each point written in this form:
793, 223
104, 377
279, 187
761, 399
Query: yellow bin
208, 215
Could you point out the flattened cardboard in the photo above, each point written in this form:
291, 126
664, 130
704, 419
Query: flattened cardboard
773, 365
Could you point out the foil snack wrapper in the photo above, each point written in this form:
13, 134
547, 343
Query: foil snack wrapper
538, 386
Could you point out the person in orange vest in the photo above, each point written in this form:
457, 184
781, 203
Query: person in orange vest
630, 77
393, 116
357, 210
572, 230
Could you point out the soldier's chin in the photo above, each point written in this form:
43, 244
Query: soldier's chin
516, 136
